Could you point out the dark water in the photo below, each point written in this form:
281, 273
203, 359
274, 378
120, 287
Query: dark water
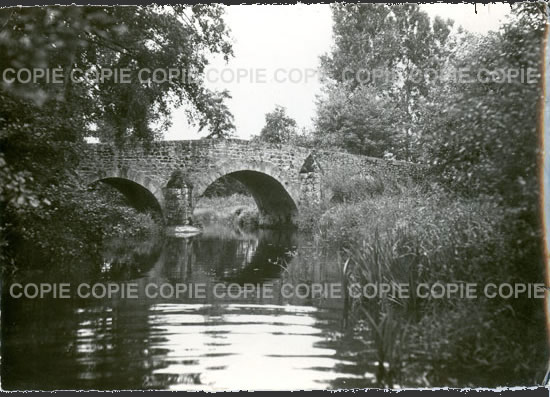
207, 342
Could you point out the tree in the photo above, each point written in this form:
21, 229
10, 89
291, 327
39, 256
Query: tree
389, 49
42, 124
361, 122
483, 134
41, 117
139, 39
484, 138
279, 127
399, 42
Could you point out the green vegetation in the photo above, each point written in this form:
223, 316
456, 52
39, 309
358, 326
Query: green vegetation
279, 127
376, 81
48, 217
68, 233
474, 219
236, 209
430, 236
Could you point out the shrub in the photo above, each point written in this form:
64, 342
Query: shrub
441, 238
353, 188
247, 218
70, 230
236, 209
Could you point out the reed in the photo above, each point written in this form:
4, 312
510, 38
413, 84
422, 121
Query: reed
426, 236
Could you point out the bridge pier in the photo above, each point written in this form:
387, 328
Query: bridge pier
178, 200
178, 206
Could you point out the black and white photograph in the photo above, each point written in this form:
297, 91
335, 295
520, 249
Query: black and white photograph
212, 197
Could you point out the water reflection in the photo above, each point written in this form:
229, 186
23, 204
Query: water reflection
225, 254
185, 343
243, 347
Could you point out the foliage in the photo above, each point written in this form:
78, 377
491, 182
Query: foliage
83, 41
226, 186
68, 233
43, 125
473, 135
478, 222
178, 180
346, 187
376, 76
304, 138
279, 127
362, 121
307, 219
372, 36
425, 235
236, 209
477, 217
229, 200
247, 218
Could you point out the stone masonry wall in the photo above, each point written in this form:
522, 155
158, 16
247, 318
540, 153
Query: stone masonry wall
203, 161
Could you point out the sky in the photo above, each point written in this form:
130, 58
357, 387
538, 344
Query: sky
277, 50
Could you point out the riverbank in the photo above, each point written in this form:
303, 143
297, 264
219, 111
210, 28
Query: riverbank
236, 209
423, 234
70, 233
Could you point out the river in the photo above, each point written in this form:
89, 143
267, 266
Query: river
221, 341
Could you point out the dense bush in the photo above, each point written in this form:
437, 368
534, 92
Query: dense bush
236, 209
477, 219
337, 211
69, 231
428, 237
353, 188
427, 234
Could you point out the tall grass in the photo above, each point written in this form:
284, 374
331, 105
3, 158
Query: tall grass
424, 235
346, 187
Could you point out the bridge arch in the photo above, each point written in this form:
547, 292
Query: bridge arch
276, 197
140, 190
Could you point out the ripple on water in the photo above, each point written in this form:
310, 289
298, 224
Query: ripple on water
239, 346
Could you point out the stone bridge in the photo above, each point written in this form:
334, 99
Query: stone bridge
173, 175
